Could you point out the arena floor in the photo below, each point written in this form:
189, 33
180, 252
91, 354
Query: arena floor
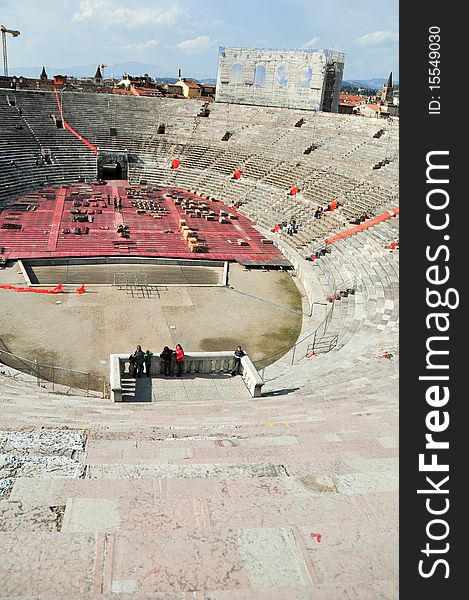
260, 310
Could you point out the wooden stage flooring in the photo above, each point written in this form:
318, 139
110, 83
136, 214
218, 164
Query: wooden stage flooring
36, 225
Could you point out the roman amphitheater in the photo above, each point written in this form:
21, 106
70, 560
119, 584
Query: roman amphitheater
278, 484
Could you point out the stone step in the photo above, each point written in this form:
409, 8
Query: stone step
39, 492
231, 563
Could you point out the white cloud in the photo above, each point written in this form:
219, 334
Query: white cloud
311, 44
111, 13
377, 37
138, 46
198, 44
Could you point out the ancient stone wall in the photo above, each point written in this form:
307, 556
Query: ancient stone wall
283, 78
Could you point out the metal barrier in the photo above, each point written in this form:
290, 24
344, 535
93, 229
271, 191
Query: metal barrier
301, 348
54, 378
321, 345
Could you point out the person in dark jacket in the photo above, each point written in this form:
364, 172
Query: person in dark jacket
147, 359
179, 354
166, 356
137, 360
238, 354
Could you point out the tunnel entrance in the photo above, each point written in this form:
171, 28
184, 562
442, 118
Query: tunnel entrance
112, 170
112, 164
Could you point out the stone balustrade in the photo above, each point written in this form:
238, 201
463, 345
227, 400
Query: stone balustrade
204, 363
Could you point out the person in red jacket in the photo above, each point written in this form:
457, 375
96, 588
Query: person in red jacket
179, 354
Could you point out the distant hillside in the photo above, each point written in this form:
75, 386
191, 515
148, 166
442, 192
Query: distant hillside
372, 84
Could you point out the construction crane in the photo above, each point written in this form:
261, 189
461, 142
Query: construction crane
14, 33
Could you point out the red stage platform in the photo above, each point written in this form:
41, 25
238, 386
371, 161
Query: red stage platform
80, 220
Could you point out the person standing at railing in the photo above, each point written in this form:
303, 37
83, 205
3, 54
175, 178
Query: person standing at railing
238, 354
179, 354
147, 359
166, 357
137, 360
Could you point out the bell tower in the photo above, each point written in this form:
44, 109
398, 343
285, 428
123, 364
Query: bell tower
386, 94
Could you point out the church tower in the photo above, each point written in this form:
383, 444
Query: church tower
386, 94
98, 77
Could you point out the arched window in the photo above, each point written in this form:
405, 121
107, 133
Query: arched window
259, 75
305, 77
281, 79
236, 74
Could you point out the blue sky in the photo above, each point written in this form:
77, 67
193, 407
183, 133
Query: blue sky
187, 33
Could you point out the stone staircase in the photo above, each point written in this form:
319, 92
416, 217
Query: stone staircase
205, 492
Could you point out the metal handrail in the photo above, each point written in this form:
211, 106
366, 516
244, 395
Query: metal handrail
49, 373
324, 323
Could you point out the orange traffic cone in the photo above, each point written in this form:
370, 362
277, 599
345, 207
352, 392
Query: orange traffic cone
58, 289
81, 289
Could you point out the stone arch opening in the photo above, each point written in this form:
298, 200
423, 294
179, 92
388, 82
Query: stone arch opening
259, 75
112, 170
112, 165
305, 77
281, 78
236, 75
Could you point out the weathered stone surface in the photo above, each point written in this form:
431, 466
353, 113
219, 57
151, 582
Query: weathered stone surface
47, 565
164, 471
372, 481
6, 484
39, 466
89, 515
272, 558
284, 78
63, 442
15, 516
188, 562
